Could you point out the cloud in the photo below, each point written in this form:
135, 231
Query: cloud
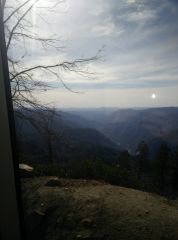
144, 15
108, 29
131, 1
115, 97
141, 46
104, 30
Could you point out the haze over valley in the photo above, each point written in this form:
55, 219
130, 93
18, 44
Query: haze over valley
112, 128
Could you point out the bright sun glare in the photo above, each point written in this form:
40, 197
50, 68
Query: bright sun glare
153, 96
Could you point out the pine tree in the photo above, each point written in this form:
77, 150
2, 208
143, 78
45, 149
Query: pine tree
124, 160
142, 159
161, 169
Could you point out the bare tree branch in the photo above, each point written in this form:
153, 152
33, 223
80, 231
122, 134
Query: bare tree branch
18, 22
15, 10
20, 33
65, 65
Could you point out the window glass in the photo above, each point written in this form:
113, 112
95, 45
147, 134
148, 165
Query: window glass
94, 88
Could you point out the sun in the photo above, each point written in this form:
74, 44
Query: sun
153, 96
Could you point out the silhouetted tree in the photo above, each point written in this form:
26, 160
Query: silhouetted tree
142, 163
161, 168
124, 160
52, 134
20, 32
174, 172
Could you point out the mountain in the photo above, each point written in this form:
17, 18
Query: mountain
172, 136
89, 135
72, 137
102, 131
96, 115
73, 120
128, 127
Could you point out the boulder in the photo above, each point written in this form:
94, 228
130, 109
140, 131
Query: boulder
25, 170
54, 182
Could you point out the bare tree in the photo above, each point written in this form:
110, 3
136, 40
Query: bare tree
51, 135
19, 32
46, 139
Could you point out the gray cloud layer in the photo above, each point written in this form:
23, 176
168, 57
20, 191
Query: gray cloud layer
140, 39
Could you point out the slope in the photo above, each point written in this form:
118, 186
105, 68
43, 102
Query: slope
80, 209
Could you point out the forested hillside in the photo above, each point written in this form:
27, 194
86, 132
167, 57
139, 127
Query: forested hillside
68, 145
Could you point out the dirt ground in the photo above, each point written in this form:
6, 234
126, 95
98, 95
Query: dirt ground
60, 209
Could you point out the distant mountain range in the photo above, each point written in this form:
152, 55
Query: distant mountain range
127, 127
74, 138
106, 131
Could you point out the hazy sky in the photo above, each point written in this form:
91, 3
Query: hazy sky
139, 64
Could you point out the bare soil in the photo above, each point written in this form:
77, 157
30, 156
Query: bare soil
92, 210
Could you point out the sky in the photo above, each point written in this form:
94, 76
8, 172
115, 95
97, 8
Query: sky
138, 66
